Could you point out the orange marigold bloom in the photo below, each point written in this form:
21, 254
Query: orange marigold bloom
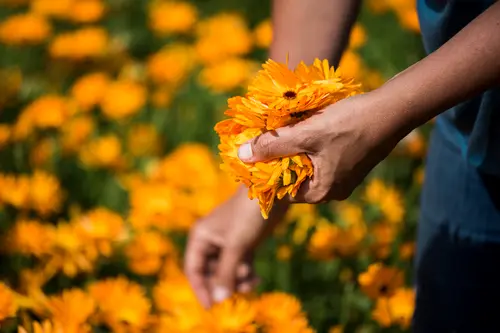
85, 43
50, 111
174, 294
263, 34
102, 228
30, 237
122, 304
86, 11
71, 309
8, 305
143, 140
103, 152
380, 280
222, 36
45, 194
15, 191
172, 64
395, 310
76, 132
277, 97
235, 314
123, 99
167, 17
58, 9
24, 29
89, 90
277, 309
5, 133
44, 327
358, 36
228, 74
147, 252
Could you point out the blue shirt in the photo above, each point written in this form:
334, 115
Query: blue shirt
472, 127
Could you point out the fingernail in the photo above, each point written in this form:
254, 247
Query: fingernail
245, 152
219, 294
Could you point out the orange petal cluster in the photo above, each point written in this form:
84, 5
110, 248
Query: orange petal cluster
278, 97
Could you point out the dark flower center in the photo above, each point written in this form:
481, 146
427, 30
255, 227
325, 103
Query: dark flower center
383, 289
290, 94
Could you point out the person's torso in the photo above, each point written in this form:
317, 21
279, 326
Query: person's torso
473, 126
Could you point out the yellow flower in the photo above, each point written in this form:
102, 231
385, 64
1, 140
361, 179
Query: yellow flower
86, 11
57, 9
392, 206
103, 228
222, 36
336, 329
76, 132
276, 309
45, 194
228, 74
42, 152
284, 253
414, 144
5, 133
380, 280
167, 17
383, 235
263, 34
351, 64
71, 309
122, 304
85, 43
103, 152
374, 191
30, 237
173, 295
45, 327
89, 90
147, 251
161, 97
358, 37
123, 99
350, 213
407, 250
50, 111
172, 64
143, 140
24, 29
15, 191
372, 79
70, 254
330, 240
235, 314
8, 306
395, 310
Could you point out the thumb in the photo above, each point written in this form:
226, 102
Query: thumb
282, 142
225, 276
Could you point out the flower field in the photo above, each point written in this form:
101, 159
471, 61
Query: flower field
108, 156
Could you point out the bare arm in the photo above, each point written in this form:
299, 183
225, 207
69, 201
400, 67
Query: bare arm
463, 67
308, 29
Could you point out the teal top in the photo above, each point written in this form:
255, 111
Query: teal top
472, 127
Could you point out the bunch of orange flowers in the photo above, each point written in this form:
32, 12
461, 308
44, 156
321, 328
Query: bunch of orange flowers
278, 97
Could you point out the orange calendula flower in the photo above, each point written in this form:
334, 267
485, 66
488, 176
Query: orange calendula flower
8, 306
123, 99
168, 17
24, 29
278, 97
89, 90
71, 309
81, 44
235, 314
122, 305
380, 280
395, 310
30, 237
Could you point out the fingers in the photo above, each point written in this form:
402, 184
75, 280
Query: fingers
282, 142
195, 267
225, 277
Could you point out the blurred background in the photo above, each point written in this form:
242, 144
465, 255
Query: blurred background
108, 156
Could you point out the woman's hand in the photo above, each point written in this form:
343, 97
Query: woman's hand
218, 260
344, 143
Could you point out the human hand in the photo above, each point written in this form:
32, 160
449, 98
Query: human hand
344, 142
218, 258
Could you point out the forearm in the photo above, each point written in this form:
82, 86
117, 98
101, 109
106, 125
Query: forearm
311, 29
463, 67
